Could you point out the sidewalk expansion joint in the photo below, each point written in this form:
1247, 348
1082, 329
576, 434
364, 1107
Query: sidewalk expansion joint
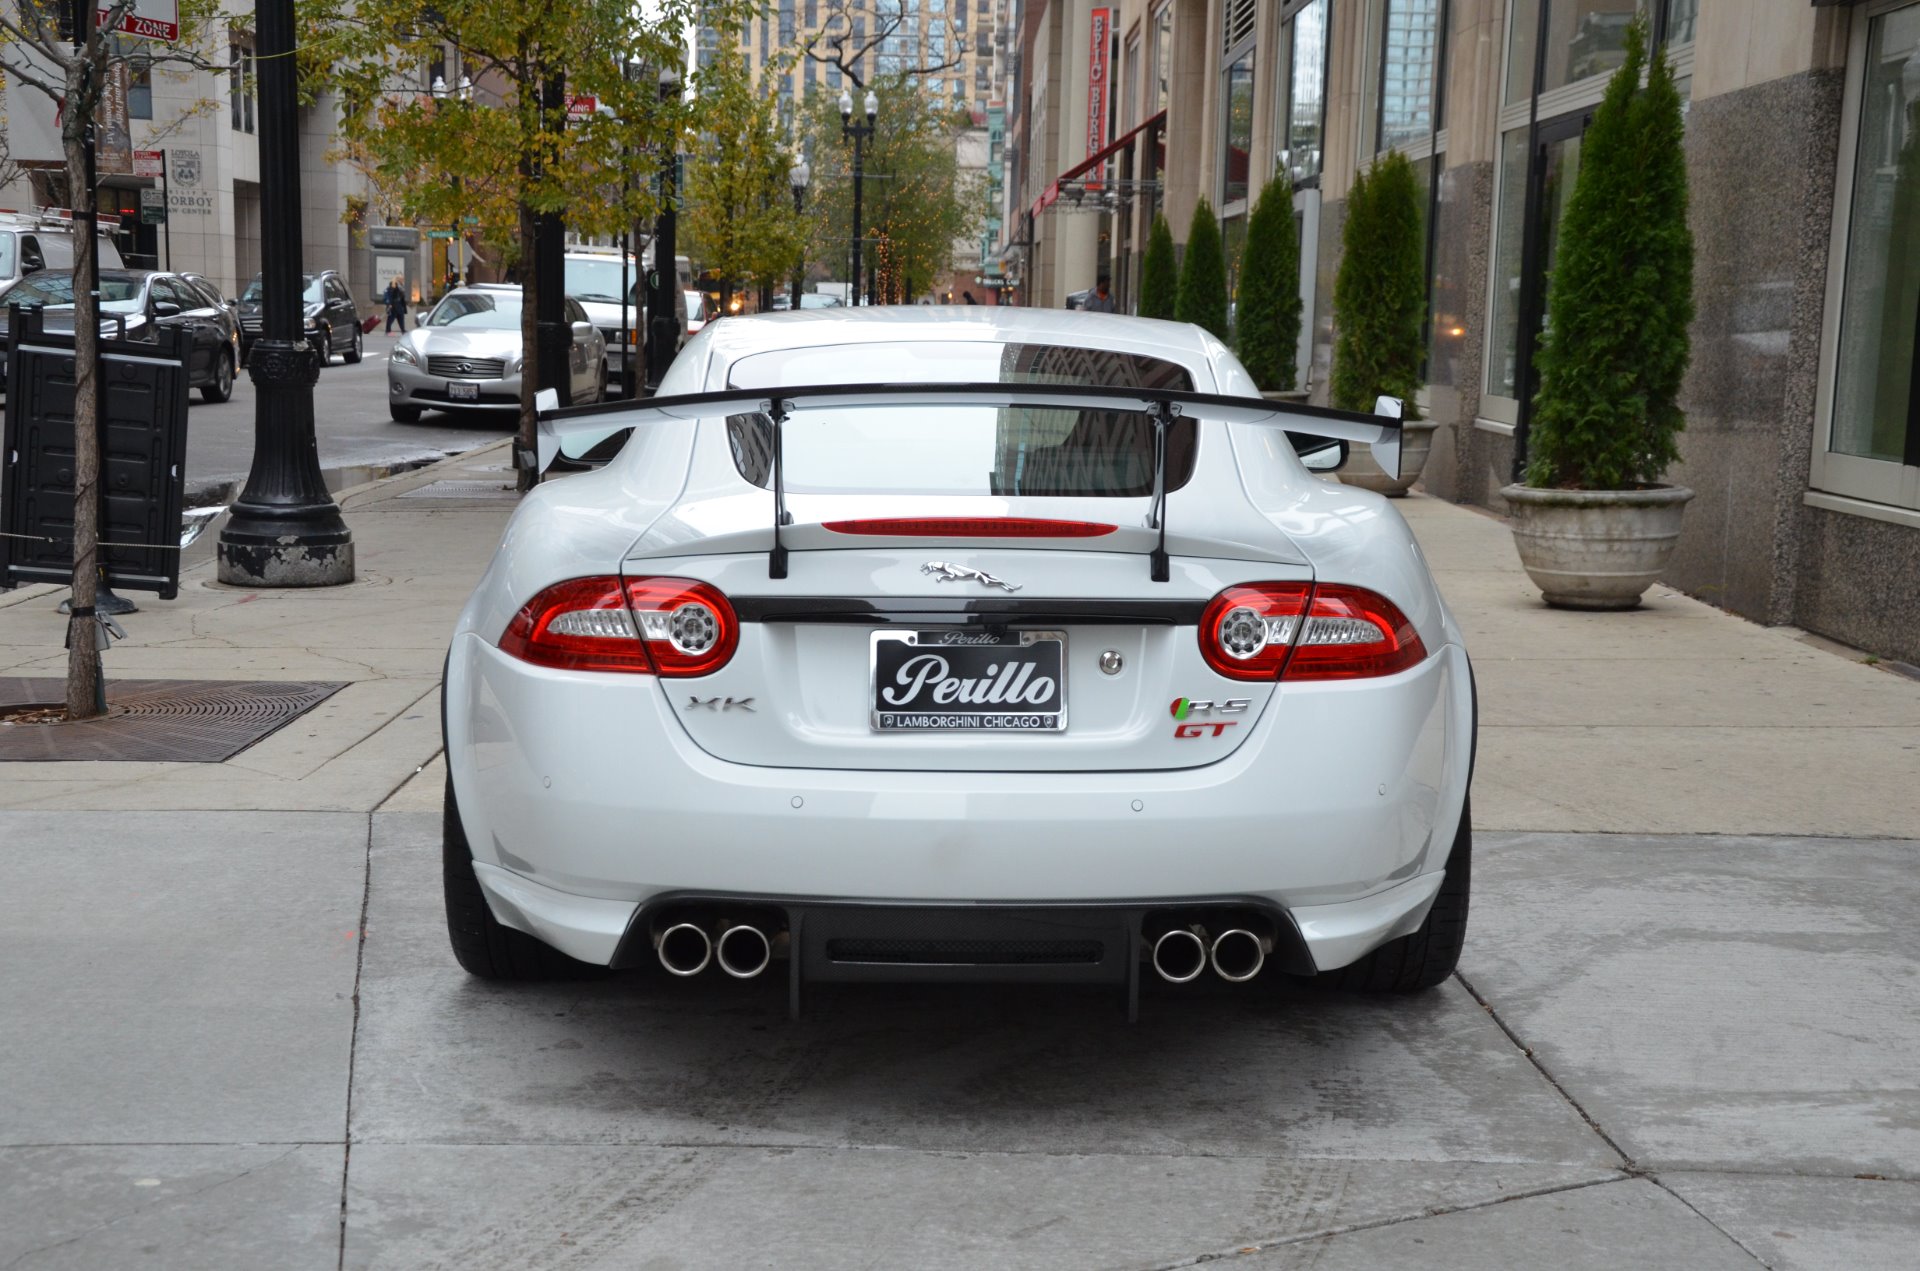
1627, 1163
1697, 1213
353, 1044
1376, 1224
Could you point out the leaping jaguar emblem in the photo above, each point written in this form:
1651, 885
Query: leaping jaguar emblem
944, 573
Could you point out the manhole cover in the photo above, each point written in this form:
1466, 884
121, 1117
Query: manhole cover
157, 721
462, 490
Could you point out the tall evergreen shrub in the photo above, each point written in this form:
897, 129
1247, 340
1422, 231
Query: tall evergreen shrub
1159, 276
1203, 274
1380, 293
1269, 325
1621, 296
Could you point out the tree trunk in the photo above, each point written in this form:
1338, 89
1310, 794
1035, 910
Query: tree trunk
86, 691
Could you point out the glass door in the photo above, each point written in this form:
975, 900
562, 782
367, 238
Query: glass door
1553, 167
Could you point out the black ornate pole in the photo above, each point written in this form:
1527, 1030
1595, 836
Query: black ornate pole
285, 529
664, 320
553, 333
859, 133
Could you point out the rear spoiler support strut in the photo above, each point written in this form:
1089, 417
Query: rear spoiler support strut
776, 410
1161, 565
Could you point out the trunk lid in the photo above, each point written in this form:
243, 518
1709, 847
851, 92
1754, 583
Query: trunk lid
800, 691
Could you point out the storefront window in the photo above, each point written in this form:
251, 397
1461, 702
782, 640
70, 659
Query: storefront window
1409, 62
1585, 38
1237, 94
1874, 390
1306, 93
1561, 167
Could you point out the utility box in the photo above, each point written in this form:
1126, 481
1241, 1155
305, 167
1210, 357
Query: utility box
143, 455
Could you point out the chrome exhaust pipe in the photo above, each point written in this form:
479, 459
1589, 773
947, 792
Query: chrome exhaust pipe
1181, 954
684, 949
1239, 954
743, 951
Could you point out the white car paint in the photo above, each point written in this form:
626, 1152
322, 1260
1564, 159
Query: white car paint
585, 795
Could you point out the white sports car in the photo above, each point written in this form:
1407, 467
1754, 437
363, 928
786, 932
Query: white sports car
960, 644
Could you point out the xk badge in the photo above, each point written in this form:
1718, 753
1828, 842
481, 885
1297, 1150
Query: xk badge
721, 704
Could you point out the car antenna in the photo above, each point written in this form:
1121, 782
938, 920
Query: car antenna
1163, 416
776, 410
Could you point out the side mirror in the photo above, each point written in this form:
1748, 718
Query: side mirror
165, 309
1319, 454
582, 330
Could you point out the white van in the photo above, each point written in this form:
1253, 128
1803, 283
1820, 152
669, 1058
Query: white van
30, 243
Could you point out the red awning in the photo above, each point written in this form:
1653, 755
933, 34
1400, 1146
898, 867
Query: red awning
1091, 162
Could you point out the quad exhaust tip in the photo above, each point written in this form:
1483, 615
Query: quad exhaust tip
1239, 954
1180, 955
684, 949
744, 951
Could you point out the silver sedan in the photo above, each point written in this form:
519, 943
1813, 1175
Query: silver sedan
466, 355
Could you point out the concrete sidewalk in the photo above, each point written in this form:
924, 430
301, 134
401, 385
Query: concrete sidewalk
1673, 719
1681, 1036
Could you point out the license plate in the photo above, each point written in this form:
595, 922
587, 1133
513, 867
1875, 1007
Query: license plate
969, 681
459, 392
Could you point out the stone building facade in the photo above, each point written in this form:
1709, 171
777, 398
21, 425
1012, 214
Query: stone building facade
208, 125
1803, 142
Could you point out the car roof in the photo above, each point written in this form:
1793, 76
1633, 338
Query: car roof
742, 336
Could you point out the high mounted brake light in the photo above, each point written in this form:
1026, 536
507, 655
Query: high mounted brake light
649, 626
1302, 631
969, 527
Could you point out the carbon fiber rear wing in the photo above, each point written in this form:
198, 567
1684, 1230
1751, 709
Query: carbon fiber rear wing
576, 429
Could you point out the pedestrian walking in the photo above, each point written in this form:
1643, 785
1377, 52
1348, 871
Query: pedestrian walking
396, 303
1101, 301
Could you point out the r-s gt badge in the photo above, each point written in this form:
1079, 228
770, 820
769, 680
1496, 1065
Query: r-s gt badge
1185, 706
1200, 730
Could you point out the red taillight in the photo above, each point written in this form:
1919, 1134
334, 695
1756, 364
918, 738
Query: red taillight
1352, 633
689, 627
662, 626
969, 527
1247, 632
1295, 631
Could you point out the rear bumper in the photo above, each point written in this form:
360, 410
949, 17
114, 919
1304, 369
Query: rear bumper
1117, 936
585, 800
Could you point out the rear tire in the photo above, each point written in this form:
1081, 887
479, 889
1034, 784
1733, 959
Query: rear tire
353, 350
220, 387
483, 945
404, 414
1427, 956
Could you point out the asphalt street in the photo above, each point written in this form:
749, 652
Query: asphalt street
358, 440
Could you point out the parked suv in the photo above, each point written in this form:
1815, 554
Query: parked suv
31, 243
332, 318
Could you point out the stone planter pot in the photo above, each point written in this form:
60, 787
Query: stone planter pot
1416, 439
1595, 549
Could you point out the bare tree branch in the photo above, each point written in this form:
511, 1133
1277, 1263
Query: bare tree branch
836, 43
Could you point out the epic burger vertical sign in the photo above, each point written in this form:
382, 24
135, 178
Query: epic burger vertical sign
1098, 56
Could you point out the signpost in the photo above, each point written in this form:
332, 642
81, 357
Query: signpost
153, 164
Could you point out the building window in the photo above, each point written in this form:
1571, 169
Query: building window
1876, 394
240, 88
1162, 55
1585, 38
1301, 151
1409, 70
1236, 93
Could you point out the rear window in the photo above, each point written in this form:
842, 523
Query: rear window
961, 449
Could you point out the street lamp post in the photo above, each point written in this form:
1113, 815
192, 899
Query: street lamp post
285, 529
457, 244
859, 133
663, 281
798, 175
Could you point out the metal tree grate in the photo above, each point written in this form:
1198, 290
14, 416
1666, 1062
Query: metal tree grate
157, 721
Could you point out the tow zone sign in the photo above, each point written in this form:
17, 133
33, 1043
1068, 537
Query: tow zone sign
151, 19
